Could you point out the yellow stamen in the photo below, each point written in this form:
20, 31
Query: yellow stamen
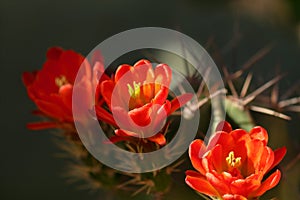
61, 80
232, 161
135, 90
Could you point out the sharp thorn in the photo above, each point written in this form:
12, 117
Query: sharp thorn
289, 102
246, 85
254, 59
269, 112
252, 96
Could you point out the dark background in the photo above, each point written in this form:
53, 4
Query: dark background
28, 167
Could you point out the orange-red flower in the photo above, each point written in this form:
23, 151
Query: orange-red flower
137, 98
233, 165
51, 88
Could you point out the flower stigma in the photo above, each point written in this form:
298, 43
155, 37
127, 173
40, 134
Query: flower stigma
61, 81
135, 90
232, 161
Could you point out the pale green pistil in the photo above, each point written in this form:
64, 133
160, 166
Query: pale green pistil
135, 90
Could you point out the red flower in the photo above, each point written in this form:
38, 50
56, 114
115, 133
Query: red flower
137, 98
51, 87
234, 164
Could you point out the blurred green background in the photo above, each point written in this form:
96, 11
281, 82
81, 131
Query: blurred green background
28, 167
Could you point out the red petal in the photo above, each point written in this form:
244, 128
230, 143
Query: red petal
233, 197
122, 119
224, 139
240, 150
96, 57
45, 78
193, 173
70, 63
99, 75
216, 158
105, 116
147, 91
66, 94
54, 53
143, 72
158, 139
180, 101
38, 113
82, 99
163, 75
55, 109
246, 186
196, 150
240, 135
259, 133
201, 185
266, 160
278, 156
161, 96
42, 125
141, 115
218, 183
124, 133
107, 88
269, 183
142, 62
28, 78
256, 149
159, 114
224, 126
122, 69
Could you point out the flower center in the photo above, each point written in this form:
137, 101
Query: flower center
135, 90
61, 80
232, 161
